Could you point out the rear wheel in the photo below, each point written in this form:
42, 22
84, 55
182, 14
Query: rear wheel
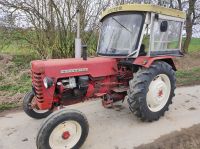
151, 91
64, 129
33, 112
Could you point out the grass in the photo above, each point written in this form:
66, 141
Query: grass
17, 79
8, 106
188, 77
22, 85
194, 45
22, 61
16, 48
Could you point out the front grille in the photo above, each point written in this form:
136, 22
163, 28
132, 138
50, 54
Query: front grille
37, 83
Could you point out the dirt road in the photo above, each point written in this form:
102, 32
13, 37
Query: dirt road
109, 128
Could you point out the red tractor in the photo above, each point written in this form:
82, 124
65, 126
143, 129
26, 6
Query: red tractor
136, 46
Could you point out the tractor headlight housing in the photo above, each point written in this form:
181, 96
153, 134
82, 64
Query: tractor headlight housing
48, 82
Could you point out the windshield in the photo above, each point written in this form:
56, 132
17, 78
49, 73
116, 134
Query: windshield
119, 34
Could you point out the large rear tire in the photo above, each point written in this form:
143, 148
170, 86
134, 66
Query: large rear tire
151, 91
64, 129
33, 112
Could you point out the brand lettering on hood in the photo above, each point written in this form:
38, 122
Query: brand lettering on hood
74, 70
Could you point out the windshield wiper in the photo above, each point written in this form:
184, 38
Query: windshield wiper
122, 25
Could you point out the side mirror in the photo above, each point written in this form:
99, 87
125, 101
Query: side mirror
84, 52
163, 26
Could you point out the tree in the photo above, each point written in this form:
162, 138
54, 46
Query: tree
52, 26
190, 20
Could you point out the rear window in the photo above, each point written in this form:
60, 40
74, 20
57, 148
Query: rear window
168, 40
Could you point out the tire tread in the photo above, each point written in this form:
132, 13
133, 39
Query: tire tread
139, 88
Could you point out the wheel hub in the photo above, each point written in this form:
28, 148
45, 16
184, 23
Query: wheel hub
66, 135
160, 93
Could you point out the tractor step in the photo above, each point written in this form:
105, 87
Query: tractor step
120, 89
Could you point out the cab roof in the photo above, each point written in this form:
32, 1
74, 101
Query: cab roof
145, 8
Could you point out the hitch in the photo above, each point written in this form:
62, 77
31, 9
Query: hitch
107, 101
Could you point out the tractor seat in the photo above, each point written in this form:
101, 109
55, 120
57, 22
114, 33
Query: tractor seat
142, 50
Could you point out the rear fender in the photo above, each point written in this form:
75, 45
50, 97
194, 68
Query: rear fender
146, 61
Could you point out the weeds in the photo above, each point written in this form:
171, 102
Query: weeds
16, 78
188, 77
8, 106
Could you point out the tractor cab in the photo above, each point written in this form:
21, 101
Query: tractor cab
141, 30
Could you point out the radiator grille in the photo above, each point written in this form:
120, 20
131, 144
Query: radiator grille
38, 85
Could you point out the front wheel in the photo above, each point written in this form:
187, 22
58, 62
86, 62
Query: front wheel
151, 91
34, 112
64, 129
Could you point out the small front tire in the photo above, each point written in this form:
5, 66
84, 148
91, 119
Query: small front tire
64, 129
33, 112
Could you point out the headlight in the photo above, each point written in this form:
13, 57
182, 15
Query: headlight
48, 82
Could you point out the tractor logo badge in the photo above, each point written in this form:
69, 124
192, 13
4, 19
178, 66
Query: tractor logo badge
74, 70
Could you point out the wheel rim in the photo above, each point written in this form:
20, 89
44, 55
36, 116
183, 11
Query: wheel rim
66, 135
33, 106
40, 111
159, 92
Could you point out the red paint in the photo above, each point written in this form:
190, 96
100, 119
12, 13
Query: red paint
146, 61
97, 67
160, 93
66, 135
103, 73
90, 91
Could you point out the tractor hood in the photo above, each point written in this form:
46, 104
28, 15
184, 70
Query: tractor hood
61, 68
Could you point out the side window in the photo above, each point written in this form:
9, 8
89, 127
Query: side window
166, 35
146, 38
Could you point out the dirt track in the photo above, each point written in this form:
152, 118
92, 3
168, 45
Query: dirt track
112, 128
185, 139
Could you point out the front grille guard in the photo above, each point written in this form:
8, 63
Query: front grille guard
38, 86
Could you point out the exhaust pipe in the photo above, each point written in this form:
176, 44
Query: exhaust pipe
84, 52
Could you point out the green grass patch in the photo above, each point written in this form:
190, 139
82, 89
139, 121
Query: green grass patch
26, 83
188, 77
8, 106
22, 85
15, 47
23, 61
17, 79
194, 45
